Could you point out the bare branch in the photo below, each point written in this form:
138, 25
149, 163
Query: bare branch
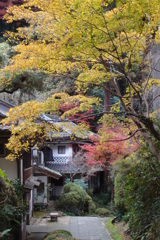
154, 100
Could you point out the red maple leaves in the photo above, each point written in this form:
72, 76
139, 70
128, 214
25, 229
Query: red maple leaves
5, 4
80, 117
108, 146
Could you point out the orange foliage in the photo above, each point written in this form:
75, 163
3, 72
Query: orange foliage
108, 146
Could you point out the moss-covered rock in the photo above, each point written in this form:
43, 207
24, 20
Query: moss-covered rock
59, 235
76, 200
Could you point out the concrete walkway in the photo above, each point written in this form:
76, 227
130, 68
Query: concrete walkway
82, 228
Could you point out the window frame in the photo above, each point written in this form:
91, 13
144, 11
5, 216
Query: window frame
61, 149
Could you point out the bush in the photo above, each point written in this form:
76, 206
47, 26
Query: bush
102, 199
137, 194
102, 212
11, 208
59, 235
121, 170
79, 182
143, 200
75, 199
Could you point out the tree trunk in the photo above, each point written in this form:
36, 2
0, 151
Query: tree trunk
107, 97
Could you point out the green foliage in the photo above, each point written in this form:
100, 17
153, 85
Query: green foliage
89, 205
79, 182
59, 235
103, 212
75, 200
4, 53
137, 193
143, 199
11, 208
101, 199
113, 231
121, 170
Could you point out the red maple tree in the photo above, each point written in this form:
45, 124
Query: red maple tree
108, 147
80, 117
5, 4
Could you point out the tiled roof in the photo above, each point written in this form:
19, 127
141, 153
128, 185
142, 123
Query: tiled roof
66, 127
63, 168
7, 104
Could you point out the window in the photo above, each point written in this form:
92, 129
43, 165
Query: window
61, 149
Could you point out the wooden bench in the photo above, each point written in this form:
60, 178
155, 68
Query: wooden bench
54, 217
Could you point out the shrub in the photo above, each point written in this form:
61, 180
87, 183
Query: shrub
79, 182
102, 199
137, 194
102, 212
59, 235
90, 204
11, 208
143, 200
75, 199
121, 170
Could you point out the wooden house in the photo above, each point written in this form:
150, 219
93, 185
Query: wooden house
58, 155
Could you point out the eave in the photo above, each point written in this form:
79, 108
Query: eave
48, 172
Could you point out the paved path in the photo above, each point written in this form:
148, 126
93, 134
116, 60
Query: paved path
82, 228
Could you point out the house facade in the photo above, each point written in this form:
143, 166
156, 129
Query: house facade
59, 155
55, 156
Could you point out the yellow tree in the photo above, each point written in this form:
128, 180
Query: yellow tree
109, 42
29, 126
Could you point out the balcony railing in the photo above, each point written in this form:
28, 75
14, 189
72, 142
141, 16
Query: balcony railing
59, 160
55, 160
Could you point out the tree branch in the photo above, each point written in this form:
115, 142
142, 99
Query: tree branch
125, 139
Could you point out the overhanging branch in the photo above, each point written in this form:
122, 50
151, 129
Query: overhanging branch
125, 139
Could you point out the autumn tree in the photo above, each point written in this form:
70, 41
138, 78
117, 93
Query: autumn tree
26, 83
29, 127
109, 42
108, 145
5, 4
86, 117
